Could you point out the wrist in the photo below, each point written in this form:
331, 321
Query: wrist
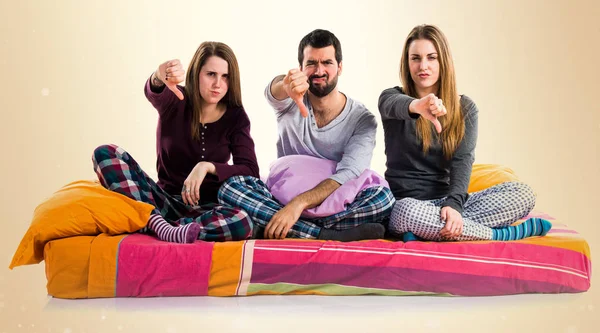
207, 167
298, 204
156, 81
412, 107
277, 89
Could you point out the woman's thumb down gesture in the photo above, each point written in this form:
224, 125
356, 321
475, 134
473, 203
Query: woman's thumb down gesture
171, 73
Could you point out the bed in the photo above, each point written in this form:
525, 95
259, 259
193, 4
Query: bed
139, 265
85, 235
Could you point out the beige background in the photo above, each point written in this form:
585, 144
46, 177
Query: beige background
72, 78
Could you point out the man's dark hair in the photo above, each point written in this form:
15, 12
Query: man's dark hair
320, 38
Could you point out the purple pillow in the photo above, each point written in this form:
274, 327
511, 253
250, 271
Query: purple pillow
292, 175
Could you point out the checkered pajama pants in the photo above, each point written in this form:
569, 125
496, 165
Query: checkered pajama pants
371, 205
119, 172
496, 207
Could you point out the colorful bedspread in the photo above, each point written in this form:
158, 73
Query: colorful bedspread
141, 266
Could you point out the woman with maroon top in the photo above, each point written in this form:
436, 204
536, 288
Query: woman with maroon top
200, 126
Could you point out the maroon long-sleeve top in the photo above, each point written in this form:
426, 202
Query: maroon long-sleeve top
177, 153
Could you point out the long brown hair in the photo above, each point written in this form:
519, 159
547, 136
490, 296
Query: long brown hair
233, 97
453, 126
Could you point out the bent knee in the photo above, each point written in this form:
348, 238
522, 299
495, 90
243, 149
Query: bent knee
528, 195
524, 193
385, 199
239, 214
404, 211
104, 151
407, 208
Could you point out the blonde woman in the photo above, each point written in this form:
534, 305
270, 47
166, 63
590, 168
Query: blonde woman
430, 136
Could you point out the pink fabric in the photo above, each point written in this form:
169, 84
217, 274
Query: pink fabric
457, 268
292, 175
150, 267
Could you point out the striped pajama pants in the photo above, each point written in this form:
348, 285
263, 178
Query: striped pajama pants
372, 205
496, 207
119, 172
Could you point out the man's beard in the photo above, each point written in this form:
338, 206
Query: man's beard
323, 90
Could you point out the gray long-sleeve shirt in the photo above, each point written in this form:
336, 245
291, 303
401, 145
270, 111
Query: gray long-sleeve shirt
349, 139
413, 174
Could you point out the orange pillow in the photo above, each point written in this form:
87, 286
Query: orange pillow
487, 175
81, 208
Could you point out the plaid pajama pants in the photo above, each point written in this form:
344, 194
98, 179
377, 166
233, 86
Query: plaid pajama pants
372, 205
119, 172
495, 207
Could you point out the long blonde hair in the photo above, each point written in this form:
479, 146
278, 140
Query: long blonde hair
232, 98
453, 126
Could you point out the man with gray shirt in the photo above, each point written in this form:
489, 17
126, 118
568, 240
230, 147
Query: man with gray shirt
316, 119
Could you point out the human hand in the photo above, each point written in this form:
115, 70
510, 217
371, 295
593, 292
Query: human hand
295, 84
429, 107
190, 193
283, 221
454, 223
171, 73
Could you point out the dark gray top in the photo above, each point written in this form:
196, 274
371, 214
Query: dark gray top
413, 174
